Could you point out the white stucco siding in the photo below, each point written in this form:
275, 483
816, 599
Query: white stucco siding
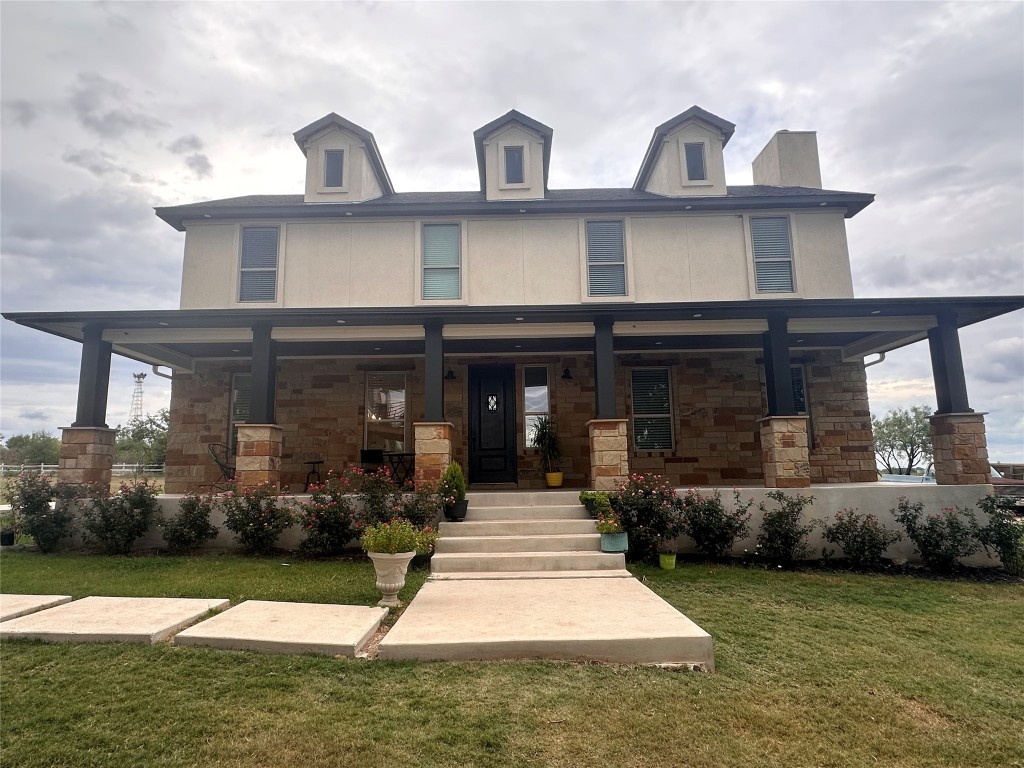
319, 263
718, 258
494, 263
660, 259
209, 275
551, 261
384, 264
822, 257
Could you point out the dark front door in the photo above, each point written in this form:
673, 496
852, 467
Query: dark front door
492, 424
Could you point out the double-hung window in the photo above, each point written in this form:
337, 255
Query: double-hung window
606, 259
652, 409
241, 402
695, 170
536, 401
441, 261
334, 167
385, 411
258, 274
514, 166
773, 254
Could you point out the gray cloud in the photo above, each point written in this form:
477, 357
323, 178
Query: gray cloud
34, 415
21, 112
190, 143
200, 165
103, 106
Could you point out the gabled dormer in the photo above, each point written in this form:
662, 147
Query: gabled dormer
685, 156
513, 154
343, 164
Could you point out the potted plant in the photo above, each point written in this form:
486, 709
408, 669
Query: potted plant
545, 439
613, 538
667, 555
8, 530
453, 493
392, 546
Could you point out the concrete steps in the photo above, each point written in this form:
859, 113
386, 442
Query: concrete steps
549, 512
580, 542
516, 527
528, 561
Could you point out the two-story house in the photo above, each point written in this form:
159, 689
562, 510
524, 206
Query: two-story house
684, 326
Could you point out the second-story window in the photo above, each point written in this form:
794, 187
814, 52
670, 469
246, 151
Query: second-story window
258, 273
334, 167
514, 171
441, 261
606, 259
773, 254
695, 170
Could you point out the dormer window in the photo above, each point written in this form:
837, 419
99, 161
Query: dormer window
695, 167
514, 165
334, 167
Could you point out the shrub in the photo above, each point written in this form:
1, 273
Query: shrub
596, 502
648, 509
608, 522
190, 528
712, 528
327, 518
398, 535
1004, 532
862, 538
380, 494
117, 521
452, 488
29, 495
256, 517
420, 504
940, 539
783, 537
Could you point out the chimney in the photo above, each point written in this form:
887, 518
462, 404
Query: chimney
790, 159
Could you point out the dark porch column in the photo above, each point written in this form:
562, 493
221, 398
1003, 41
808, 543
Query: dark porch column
777, 376
785, 452
948, 366
93, 379
264, 374
433, 372
604, 369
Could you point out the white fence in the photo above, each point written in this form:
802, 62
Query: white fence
119, 470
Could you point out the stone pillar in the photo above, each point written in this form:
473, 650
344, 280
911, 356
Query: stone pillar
258, 455
960, 449
785, 455
86, 455
609, 453
433, 441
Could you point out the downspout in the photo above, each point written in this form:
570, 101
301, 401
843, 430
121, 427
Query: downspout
881, 358
156, 372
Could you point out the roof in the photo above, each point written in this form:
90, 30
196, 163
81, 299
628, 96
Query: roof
512, 116
303, 135
654, 148
473, 203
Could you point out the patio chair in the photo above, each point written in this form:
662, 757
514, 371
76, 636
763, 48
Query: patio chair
221, 457
371, 458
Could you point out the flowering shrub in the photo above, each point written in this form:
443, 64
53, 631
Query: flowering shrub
256, 516
380, 493
29, 495
1004, 532
713, 530
940, 539
327, 518
608, 522
783, 537
596, 502
648, 510
398, 535
190, 528
117, 521
862, 538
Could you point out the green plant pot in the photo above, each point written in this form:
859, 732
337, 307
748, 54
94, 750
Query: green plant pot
614, 542
667, 562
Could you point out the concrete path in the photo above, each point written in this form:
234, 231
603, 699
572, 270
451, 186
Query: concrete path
272, 627
112, 619
615, 620
13, 606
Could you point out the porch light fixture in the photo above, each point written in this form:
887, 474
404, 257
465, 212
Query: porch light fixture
698, 314
658, 343
822, 204
566, 374
519, 318
450, 376
519, 346
522, 210
376, 349
340, 322
688, 207
236, 350
876, 311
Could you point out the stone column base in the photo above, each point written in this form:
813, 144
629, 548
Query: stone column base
258, 458
960, 449
86, 455
785, 454
609, 453
433, 442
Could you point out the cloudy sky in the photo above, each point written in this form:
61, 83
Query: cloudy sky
110, 109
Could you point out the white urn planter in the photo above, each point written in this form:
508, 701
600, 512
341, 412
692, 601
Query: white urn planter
391, 570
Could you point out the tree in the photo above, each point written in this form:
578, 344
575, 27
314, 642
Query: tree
143, 440
903, 438
40, 447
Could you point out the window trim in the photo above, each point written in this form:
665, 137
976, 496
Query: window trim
278, 270
463, 299
793, 255
703, 161
502, 175
525, 412
627, 235
670, 415
366, 413
346, 167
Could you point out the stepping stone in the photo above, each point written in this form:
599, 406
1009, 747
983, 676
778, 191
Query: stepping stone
112, 619
614, 620
13, 606
271, 627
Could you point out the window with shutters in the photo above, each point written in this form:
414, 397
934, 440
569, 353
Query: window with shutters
442, 277
536, 403
695, 169
258, 273
652, 409
606, 259
241, 398
773, 254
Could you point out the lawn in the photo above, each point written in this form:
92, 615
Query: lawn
814, 669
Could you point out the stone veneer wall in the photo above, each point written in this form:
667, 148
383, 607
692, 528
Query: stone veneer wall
717, 401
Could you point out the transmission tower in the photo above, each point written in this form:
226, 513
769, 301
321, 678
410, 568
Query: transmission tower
136, 410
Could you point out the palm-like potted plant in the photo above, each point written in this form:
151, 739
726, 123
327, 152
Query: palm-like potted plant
453, 493
545, 439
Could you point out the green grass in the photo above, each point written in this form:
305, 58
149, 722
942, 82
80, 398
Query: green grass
813, 670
